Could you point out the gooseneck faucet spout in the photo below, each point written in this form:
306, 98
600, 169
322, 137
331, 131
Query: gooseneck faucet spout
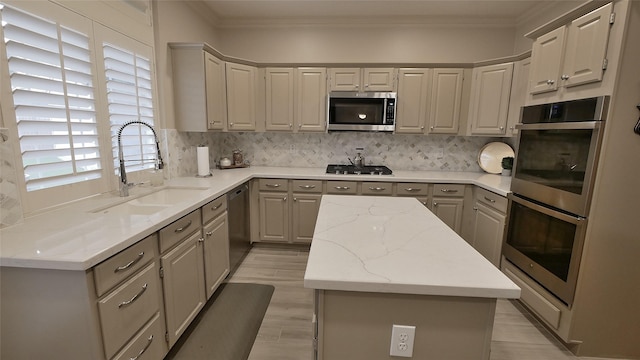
124, 185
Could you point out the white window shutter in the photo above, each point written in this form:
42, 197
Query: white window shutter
52, 85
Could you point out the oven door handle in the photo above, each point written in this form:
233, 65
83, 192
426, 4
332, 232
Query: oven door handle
570, 218
577, 125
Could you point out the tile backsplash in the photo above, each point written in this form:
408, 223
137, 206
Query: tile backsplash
399, 152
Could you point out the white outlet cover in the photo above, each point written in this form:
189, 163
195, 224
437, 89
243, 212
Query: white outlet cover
399, 346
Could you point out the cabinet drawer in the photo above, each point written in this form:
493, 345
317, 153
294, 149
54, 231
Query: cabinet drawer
342, 187
376, 188
147, 344
122, 265
180, 229
214, 208
273, 185
448, 190
412, 189
307, 186
125, 310
492, 199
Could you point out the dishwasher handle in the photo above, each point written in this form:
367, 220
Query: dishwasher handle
238, 191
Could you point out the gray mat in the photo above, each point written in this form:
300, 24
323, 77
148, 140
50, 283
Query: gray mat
227, 326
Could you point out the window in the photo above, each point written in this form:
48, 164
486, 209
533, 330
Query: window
130, 97
50, 69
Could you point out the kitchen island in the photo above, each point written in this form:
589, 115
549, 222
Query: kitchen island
376, 262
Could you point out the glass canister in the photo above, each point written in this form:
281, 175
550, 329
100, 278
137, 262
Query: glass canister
237, 157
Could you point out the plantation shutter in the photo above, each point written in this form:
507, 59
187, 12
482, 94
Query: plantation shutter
52, 85
130, 97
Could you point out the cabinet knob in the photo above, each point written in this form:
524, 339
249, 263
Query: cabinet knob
564, 77
209, 233
284, 198
475, 208
290, 125
201, 240
435, 203
295, 199
231, 124
551, 82
501, 128
431, 128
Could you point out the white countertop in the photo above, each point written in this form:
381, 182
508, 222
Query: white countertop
73, 238
396, 245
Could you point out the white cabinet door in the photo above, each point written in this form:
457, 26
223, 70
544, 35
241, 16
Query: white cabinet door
183, 284
413, 99
304, 212
586, 48
546, 61
344, 79
311, 99
519, 90
488, 230
216, 253
449, 210
378, 79
279, 99
274, 216
490, 93
241, 97
216, 90
446, 97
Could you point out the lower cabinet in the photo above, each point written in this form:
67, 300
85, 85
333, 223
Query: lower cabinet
448, 204
488, 224
183, 283
288, 209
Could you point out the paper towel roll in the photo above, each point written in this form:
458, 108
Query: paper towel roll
203, 160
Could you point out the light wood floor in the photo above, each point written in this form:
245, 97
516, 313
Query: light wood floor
285, 333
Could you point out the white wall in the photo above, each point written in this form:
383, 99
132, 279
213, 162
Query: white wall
387, 44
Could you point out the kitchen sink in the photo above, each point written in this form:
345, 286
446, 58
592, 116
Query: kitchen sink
150, 203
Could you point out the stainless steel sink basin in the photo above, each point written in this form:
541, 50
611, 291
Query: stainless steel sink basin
150, 203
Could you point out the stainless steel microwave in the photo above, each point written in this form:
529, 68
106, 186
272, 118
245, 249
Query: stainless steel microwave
361, 111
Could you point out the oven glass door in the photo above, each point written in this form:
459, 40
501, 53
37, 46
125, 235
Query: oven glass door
546, 244
555, 164
356, 111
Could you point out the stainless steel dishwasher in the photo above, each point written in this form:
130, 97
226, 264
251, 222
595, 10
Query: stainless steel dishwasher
238, 213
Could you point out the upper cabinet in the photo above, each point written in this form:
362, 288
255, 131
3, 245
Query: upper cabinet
311, 99
519, 90
429, 101
241, 97
489, 104
445, 101
357, 79
199, 89
571, 55
295, 99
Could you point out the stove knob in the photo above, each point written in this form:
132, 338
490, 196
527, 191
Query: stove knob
337, 172
346, 172
381, 173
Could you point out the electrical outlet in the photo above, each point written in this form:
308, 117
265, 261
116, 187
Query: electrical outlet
402, 338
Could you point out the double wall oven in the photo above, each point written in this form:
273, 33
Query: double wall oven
552, 184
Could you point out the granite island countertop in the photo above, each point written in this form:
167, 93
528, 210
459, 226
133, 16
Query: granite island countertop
74, 237
396, 245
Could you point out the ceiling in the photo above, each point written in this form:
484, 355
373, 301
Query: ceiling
500, 12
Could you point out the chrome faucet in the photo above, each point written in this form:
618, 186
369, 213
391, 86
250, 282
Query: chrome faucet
124, 185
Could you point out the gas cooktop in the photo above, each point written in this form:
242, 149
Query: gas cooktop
362, 170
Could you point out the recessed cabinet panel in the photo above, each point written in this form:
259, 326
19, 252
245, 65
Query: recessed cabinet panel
215, 86
413, 98
345, 79
274, 217
490, 99
546, 56
279, 99
446, 97
241, 97
586, 48
305, 212
184, 286
311, 104
216, 253
378, 79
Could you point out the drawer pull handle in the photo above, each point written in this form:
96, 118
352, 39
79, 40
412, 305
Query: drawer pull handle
273, 185
149, 341
377, 188
342, 187
181, 229
489, 199
134, 298
411, 189
307, 186
449, 190
216, 207
130, 264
